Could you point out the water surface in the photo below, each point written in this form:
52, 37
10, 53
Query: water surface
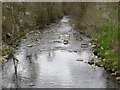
53, 64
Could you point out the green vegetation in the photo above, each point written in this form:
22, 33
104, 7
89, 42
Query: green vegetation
109, 43
7, 51
100, 21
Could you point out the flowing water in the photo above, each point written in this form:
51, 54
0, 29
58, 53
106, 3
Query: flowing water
45, 61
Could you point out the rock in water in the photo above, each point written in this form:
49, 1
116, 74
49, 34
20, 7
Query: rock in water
118, 78
8, 35
85, 62
30, 45
94, 46
31, 84
3, 60
75, 50
84, 45
79, 39
66, 41
93, 66
113, 74
79, 59
91, 61
6, 57
57, 41
90, 44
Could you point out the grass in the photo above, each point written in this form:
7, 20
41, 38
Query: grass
7, 51
102, 25
107, 40
99, 13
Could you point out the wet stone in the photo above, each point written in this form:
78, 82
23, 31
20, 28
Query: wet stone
84, 45
117, 73
57, 41
86, 62
50, 66
31, 84
73, 51
79, 59
93, 66
66, 41
90, 44
101, 65
4, 60
94, 46
118, 78
113, 74
31, 45
79, 39
6, 56
98, 63
91, 62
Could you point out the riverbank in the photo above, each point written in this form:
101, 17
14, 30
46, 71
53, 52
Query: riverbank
20, 18
101, 24
8, 50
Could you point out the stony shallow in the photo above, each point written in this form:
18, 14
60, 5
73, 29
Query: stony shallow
56, 57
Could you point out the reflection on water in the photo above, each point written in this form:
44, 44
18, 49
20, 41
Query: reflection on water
52, 64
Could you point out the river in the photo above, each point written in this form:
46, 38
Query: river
46, 61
